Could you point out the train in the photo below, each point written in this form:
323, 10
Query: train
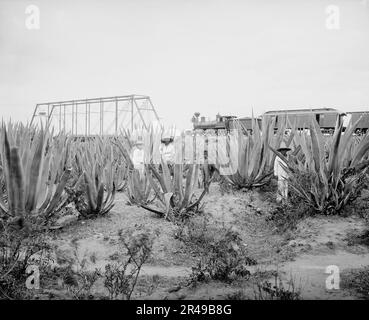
301, 118
325, 117
224, 123
298, 118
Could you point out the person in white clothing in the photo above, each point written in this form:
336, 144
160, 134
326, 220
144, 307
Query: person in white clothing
167, 150
282, 175
138, 156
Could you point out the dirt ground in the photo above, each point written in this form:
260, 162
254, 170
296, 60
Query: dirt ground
302, 254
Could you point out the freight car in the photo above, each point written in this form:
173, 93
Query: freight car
300, 118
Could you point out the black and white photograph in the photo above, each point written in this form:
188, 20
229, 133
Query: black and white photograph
209, 151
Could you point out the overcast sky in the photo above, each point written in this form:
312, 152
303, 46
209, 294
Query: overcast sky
210, 56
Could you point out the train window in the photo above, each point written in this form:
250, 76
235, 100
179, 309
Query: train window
317, 117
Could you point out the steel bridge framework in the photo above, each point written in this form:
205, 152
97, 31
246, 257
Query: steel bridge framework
97, 116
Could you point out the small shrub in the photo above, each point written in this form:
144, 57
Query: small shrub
196, 232
225, 187
77, 279
147, 285
223, 254
358, 239
18, 250
80, 283
77, 197
286, 216
277, 291
237, 295
357, 280
121, 278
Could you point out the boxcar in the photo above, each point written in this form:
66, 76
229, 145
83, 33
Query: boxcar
326, 117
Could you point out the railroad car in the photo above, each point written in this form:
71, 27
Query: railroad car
326, 117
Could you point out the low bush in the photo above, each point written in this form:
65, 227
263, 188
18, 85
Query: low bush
75, 276
267, 290
121, 278
286, 215
357, 280
20, 249
223, 254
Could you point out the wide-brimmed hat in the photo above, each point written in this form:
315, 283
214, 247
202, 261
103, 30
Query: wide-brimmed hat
138, 142
166, 140
283, 147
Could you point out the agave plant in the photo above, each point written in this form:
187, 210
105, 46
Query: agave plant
98, 201
121, 176
139, 190
327, 174
247, 156
95, 161
32, 187
61, 150
176, 194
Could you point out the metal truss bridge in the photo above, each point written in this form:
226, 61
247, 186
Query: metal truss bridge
97, 116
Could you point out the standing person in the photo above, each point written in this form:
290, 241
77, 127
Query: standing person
167, 151
208, 171
138, 156
282, 175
